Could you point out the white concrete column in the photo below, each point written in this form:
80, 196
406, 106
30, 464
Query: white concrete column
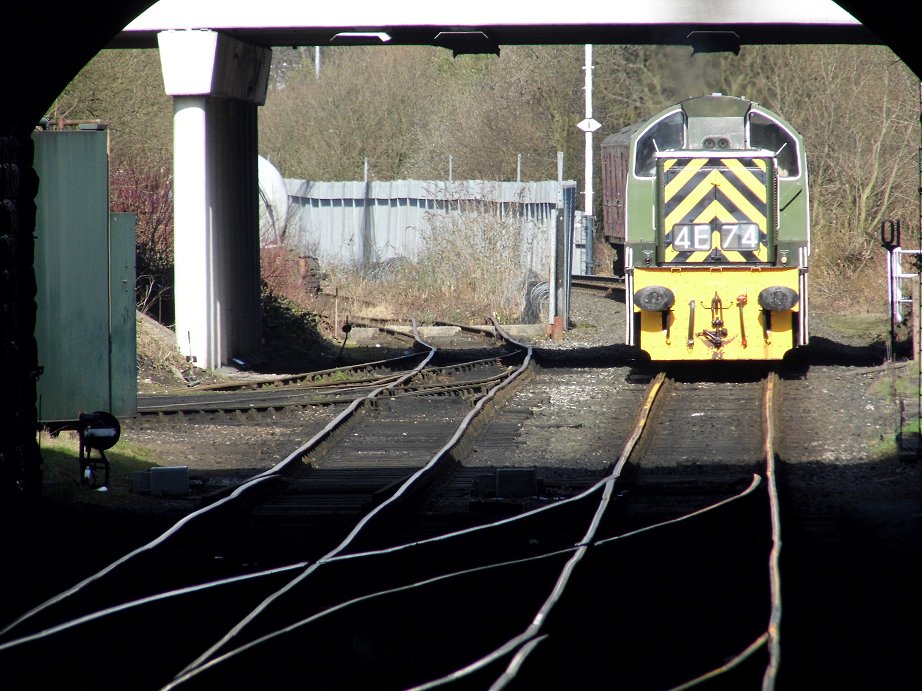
193, 246
216, 82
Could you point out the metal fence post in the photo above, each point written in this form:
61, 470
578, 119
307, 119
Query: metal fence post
916, 323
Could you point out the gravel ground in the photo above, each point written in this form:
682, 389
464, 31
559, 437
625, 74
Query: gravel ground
839, 449
850, 499
851, 502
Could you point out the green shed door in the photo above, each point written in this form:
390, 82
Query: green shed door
123, 365
84, 265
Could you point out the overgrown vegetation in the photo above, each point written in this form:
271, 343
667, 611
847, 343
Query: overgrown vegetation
124, 90
289, 329
471, 268
405, 112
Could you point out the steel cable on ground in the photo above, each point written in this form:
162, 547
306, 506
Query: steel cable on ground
235, 496
384, 506
372, 553
770, 638
174, 529
522, 642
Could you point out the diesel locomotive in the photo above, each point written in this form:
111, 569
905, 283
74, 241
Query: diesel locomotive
707, 207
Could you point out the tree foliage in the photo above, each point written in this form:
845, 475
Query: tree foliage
416, 112
124, 90
858, 110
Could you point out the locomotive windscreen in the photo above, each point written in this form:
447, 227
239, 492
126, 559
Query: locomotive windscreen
767, 134
666, 135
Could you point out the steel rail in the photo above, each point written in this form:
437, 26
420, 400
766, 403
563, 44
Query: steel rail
774, 625
448, 387
521, 646
297, 394
525, 646
481, 329
524, 643
176, 528
201, 662
771, 639
304, 377
605, 283
302, 399
178, 592
339, 557
198, 587
234, 497
274, 398
536, 626
412, 335
238, 492
518, 647
150, 599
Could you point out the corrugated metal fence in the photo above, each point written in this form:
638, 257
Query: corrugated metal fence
366, 223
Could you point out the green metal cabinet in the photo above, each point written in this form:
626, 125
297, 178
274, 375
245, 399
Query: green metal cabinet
85, 270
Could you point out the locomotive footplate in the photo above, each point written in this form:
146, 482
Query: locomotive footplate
724, 312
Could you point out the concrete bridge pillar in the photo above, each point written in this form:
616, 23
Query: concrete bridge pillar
217, 83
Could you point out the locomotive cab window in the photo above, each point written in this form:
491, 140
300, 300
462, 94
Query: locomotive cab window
665, 135
765, 133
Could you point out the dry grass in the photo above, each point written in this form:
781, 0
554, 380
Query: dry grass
603, 256
157, 344
160, 363
848, 275
471, 268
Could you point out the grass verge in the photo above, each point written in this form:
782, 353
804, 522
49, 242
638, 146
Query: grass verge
61, 480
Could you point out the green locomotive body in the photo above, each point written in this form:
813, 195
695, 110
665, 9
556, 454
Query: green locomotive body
707, 206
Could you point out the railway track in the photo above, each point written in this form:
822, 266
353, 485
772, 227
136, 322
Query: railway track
195, 549
696, 518
468, 609
411, 592
602, 284
252, 396
261, 396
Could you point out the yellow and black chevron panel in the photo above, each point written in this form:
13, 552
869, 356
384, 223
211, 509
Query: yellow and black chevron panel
715, 210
